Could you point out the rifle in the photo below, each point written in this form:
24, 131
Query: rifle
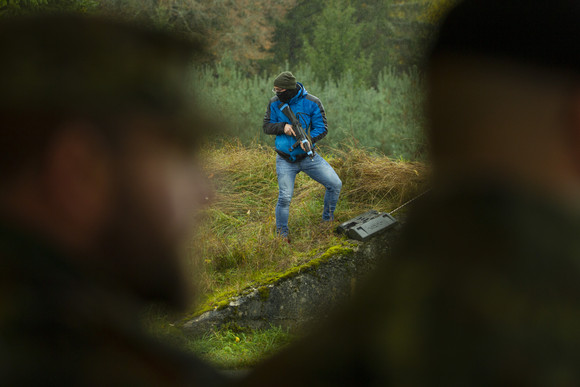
301, 135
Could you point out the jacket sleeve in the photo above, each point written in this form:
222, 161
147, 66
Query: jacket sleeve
270, 126
319, 127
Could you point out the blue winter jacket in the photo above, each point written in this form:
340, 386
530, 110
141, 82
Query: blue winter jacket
308, 109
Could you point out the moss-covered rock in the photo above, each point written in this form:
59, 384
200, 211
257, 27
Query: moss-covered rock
297, 296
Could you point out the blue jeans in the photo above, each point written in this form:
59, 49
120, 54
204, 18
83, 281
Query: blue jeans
319, 170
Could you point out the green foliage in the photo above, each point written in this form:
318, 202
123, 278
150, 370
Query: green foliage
334, 48
235, 348
22, 4
226, 89
436, 9
387, 119
290, 32
19, 7
231, 347
394, 33
388, 33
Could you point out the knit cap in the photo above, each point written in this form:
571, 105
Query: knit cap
286, 80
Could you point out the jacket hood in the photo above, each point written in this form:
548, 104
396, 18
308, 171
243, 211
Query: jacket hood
301, 92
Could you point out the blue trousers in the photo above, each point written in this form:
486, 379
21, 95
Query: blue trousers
319, 170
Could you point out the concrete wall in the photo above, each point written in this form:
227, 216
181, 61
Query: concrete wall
302, 295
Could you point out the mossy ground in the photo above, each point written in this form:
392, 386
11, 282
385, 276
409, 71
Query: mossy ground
262, 284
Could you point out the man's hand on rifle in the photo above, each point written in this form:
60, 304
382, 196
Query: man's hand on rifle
289, 131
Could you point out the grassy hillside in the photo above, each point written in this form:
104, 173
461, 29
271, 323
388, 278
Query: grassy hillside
237, 243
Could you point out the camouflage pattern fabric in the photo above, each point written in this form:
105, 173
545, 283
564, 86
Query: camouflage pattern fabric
483, 290
60, 326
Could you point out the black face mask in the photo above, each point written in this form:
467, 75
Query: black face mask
287, 95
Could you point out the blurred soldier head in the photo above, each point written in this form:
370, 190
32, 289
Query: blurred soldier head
97, 152
504, 95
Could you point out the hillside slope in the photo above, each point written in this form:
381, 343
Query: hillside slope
237, 243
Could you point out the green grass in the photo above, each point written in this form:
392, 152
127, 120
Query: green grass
231, 347
235, 349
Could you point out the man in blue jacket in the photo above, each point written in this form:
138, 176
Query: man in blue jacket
290, 161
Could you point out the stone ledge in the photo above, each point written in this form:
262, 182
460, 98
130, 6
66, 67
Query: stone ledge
300, 296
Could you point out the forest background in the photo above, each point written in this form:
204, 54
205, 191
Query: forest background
362, 58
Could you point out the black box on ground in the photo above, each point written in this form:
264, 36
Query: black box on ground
366, 225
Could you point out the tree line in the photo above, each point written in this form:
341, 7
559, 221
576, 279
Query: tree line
361, 57
332, 37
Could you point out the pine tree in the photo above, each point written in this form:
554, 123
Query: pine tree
335, 45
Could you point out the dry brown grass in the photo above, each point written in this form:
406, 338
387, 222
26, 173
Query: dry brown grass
377, 179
